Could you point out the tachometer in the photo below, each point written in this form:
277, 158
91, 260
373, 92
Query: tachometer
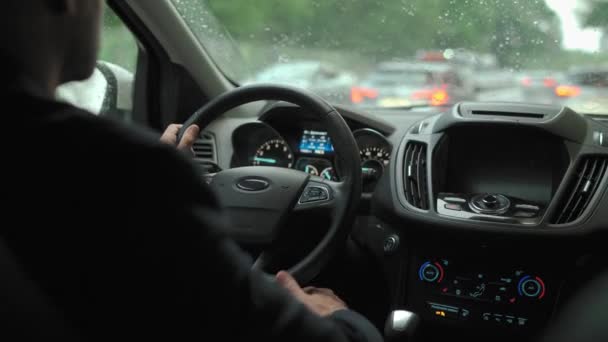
274, 153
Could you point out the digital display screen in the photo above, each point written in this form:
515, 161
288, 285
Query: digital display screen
316, 142
525, 167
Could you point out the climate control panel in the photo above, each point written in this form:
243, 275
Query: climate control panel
465, 291
508, 286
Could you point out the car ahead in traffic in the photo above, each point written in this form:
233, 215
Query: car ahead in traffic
538, 86
406, 84
319, 77
585, 90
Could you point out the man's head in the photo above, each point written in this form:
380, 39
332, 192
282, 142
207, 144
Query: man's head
54, 41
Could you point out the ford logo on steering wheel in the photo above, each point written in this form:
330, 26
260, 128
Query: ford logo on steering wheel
253, 184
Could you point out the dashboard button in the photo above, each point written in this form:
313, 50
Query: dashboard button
455, 207
524, 214
465, 314
531, 287
431, 273
497, 318
391, 244
527, 207
491, 201
314, 194
444, 311
455, 200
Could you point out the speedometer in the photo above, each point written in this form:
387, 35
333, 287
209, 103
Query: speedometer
373, 161
274, 153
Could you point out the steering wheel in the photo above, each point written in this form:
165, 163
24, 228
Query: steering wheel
259, 199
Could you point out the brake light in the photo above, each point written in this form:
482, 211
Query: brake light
425, 94
436, 96
358, 95
549, 82
567, 91
526, 81
440, 97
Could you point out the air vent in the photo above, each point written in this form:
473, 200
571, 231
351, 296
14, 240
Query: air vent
581, 188
205, 149
415, 175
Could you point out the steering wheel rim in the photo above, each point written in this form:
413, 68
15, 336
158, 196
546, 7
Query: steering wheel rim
346, 193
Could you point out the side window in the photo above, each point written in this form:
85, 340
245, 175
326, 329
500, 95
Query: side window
109, 91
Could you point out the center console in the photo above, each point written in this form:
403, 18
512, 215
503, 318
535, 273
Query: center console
487, 201
496, 173
501, 168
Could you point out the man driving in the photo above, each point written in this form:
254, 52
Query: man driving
115, 231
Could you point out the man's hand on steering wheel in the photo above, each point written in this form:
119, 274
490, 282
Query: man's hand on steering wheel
169, 137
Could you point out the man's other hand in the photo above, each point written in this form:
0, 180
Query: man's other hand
323, 302
190, 136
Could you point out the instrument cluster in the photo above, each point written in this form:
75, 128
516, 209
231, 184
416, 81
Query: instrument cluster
308, 149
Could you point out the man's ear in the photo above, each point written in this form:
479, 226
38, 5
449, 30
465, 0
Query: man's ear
62, 7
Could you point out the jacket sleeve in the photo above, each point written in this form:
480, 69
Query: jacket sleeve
266, 310
212, 279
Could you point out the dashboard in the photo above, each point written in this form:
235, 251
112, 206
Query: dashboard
285, 136
483, 218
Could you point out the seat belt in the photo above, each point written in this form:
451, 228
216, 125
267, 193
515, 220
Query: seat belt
110, 101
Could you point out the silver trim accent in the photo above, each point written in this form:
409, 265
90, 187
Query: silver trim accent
466, 215
587, 186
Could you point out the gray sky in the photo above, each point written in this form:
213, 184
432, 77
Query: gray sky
575, 37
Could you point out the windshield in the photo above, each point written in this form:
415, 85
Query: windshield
385, 53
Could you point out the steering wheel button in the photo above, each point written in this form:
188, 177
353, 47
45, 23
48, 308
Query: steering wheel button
314, 194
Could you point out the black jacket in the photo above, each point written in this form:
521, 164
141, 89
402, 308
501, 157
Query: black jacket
123, 238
